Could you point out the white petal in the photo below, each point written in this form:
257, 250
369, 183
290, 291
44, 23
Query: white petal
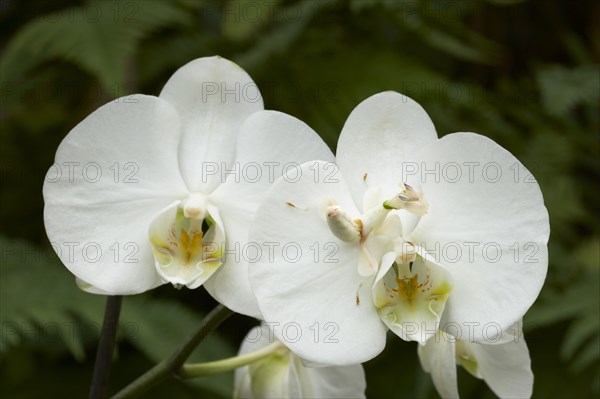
490, 231
90, 289
213, 97
310, 285
257, 338
303, 382
391, 227
98, 222
242, 387
342, 382
437, 358
270, 377
373, 198
367, 263
380, 134
506, 368
269, 143
230, 285
299, 383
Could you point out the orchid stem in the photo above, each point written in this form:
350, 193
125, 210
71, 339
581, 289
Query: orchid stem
195, 370
106, 347
171, 365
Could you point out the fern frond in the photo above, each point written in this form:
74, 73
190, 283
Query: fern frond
100, 37
40, 304
564, 88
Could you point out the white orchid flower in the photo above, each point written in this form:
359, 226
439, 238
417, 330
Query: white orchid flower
152, 190
416, 233
283, 375
505, 367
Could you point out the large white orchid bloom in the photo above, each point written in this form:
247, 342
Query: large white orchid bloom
416, 233
505, 367
282, 375
151, 190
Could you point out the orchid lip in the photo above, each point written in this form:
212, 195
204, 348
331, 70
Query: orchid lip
187, 242
411, 297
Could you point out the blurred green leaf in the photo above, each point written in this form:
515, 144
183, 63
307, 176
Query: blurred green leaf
565, 88
588, 254
283, 32
579, 303
158, 327
100, 37
39, 300
41, 304
578, 299
579, 331
242, 19
505, 2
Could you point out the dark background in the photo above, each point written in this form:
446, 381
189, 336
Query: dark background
524, 73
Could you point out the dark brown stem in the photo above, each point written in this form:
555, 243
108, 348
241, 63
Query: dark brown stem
106, 347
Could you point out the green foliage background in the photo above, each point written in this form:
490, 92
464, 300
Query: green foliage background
524, 73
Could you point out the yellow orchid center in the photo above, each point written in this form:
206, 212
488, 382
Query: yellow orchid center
187, 242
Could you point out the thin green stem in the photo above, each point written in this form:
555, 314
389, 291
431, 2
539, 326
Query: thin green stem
169, 366
106, 347
219, 366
